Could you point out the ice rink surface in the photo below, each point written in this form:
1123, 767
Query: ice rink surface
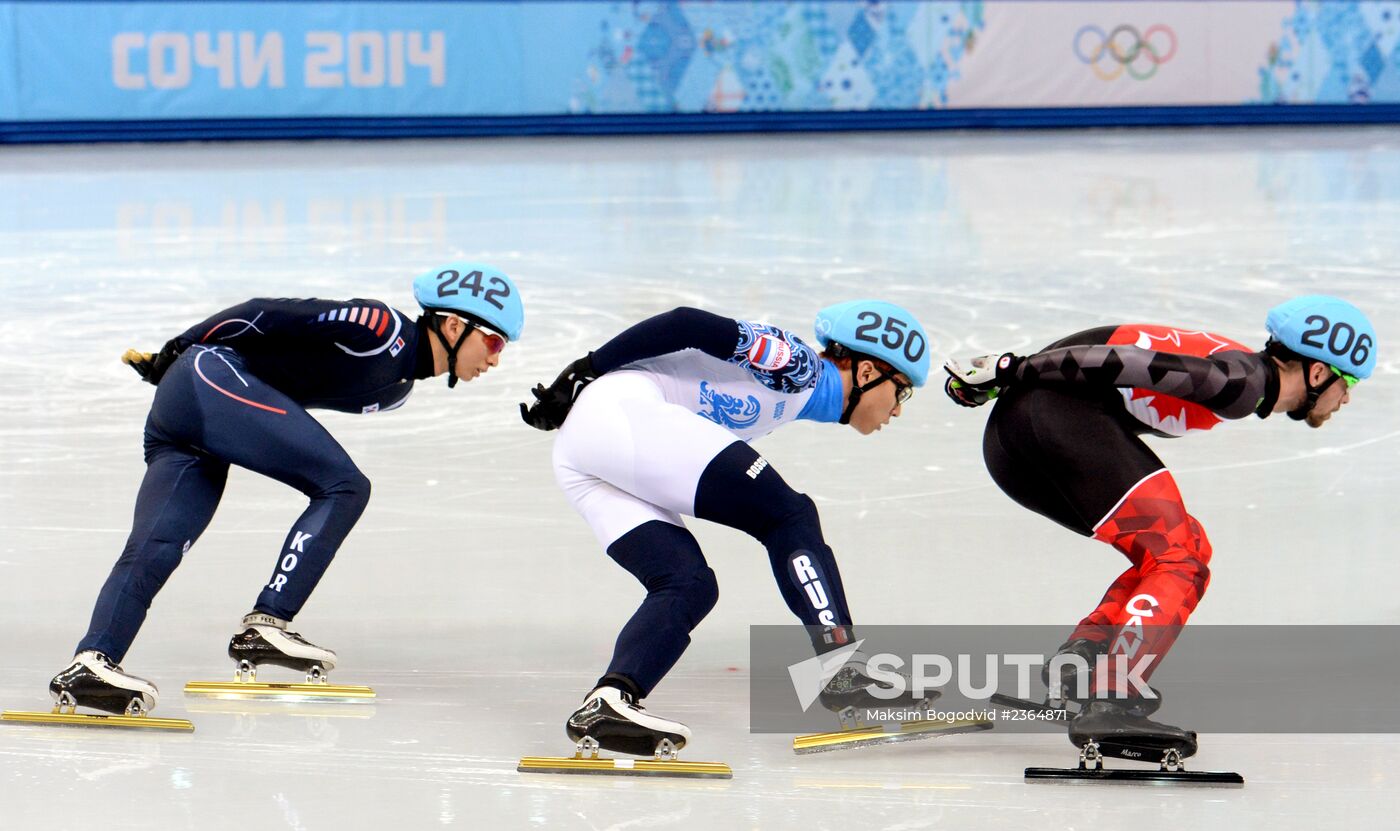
478, 603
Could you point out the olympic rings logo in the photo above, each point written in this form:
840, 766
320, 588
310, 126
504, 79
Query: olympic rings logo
1127, 50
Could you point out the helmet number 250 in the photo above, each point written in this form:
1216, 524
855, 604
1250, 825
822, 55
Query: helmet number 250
472, 282
892, 336
1340, 341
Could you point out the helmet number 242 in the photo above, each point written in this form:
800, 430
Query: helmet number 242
472, 282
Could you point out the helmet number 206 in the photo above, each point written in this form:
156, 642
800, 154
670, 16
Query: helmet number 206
894, 334
472, 282
1340, 341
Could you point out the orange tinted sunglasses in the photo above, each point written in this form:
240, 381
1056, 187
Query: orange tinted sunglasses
494, 342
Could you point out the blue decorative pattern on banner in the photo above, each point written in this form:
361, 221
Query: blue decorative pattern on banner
751, 57
1333, 52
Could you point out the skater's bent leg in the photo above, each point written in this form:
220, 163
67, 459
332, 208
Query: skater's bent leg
336, 505
681, 590
1153, 529
177, 499
263, 430
1072, 460
1097, 626
741, 490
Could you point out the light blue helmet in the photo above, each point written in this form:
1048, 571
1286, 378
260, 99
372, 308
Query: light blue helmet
1326, 329
878, 329
478, 292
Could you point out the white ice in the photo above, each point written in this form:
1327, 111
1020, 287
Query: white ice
479, 605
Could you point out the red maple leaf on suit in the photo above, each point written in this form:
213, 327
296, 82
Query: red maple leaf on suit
1166, 413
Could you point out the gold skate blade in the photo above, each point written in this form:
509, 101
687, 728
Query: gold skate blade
883, 734
338, 693
624, 767
90, 720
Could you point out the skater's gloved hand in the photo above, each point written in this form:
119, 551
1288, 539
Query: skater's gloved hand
552, 403
152, 367
981, 380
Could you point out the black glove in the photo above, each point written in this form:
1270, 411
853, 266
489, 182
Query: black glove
552, 404
150, 367
981, 380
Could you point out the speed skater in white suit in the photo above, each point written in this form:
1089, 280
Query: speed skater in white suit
656, 424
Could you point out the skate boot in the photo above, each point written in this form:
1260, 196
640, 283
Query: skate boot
265, 640
848, 693
612, 719
92, 680
1065, 688
904, 717
1119, 731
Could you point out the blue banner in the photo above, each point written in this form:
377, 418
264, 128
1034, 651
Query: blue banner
238, 60
681, 64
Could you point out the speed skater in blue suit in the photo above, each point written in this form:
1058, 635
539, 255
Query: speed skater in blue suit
236, 389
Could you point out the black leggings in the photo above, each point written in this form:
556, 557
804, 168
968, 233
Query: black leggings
1068, 458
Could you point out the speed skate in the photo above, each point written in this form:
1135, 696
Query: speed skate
848, 693
612, 719
1171, 768
266, 641
95, 681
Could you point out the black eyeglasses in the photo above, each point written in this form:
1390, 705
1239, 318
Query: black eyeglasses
902, 392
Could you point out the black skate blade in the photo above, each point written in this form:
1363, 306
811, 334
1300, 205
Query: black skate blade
1043, 711
1150, 777
326, 693
624, 767
892, 733
91, 720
